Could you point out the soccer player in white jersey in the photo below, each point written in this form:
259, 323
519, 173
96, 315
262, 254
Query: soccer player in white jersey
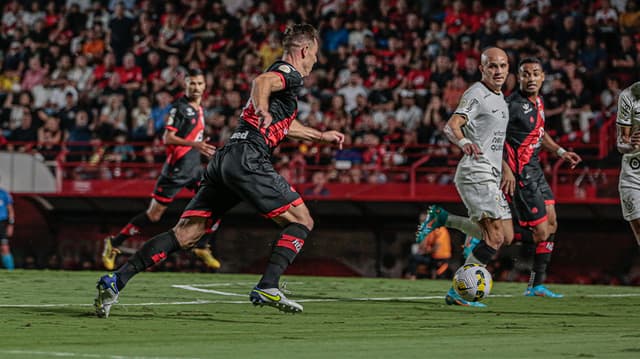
628, 123
478, 126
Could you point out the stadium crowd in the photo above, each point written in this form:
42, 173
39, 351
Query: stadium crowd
94, 77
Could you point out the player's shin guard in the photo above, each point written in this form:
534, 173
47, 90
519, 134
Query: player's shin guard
152, 252
541, 261
131, 229
284, 251
482, 254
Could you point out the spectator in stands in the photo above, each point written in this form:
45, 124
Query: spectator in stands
409, 115
630, 18
94, 47
35, 74
578, 110
80, 75
121, 28
318, 188
77, 138
27, 132
50, 139
142, 125
352, 90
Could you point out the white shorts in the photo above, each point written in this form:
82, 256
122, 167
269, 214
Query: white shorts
484, 200
630, 202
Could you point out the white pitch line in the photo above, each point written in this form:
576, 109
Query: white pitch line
196, 288
79, 355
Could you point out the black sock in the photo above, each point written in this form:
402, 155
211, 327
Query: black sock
482, 253
152, 252
283, 253
132, 228
541, 260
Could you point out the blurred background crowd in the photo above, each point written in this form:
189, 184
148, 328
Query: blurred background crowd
87, 81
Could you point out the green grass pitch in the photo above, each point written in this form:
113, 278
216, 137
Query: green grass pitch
48, 314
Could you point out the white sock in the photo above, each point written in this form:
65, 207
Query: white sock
465, 225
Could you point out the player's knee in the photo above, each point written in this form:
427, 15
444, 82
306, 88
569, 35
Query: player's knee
308, 222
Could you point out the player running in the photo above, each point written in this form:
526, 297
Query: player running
183, 138
242, 171
531, 199
628, 143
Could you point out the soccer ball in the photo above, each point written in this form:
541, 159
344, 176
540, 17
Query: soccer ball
472, 282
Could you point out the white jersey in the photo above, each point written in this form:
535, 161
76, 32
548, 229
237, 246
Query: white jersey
487, 116
629, 115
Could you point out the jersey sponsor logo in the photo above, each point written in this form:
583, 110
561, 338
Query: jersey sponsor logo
190, 111
468, 105
495, 172
526, 107
240, 135
284, 68
296, 243
634, 163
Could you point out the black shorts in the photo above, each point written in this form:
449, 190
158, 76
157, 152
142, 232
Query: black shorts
168, 187
241, 172
530, 200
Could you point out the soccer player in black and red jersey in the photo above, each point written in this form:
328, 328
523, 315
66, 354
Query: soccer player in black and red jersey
242, 171
184, 141
531, 199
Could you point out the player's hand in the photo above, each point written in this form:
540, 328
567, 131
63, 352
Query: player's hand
264, 118
572, 158
332, 137
508, 184
472, 149
635, 139
205, 148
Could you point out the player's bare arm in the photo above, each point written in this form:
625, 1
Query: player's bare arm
453, 131
627, 142
170, 138
299, 131
508, 182
263, 85
570, 157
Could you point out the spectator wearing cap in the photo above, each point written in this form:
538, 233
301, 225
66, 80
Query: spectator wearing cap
409, 115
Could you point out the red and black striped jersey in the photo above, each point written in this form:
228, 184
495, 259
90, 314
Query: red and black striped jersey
187, 122
524, 133
283, 107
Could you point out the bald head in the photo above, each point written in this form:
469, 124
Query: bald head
492, 53
494, 66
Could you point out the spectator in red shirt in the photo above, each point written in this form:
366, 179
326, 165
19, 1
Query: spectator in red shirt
478, 16
130, 73
456, 19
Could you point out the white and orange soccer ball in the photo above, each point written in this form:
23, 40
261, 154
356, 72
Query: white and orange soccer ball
472, 282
